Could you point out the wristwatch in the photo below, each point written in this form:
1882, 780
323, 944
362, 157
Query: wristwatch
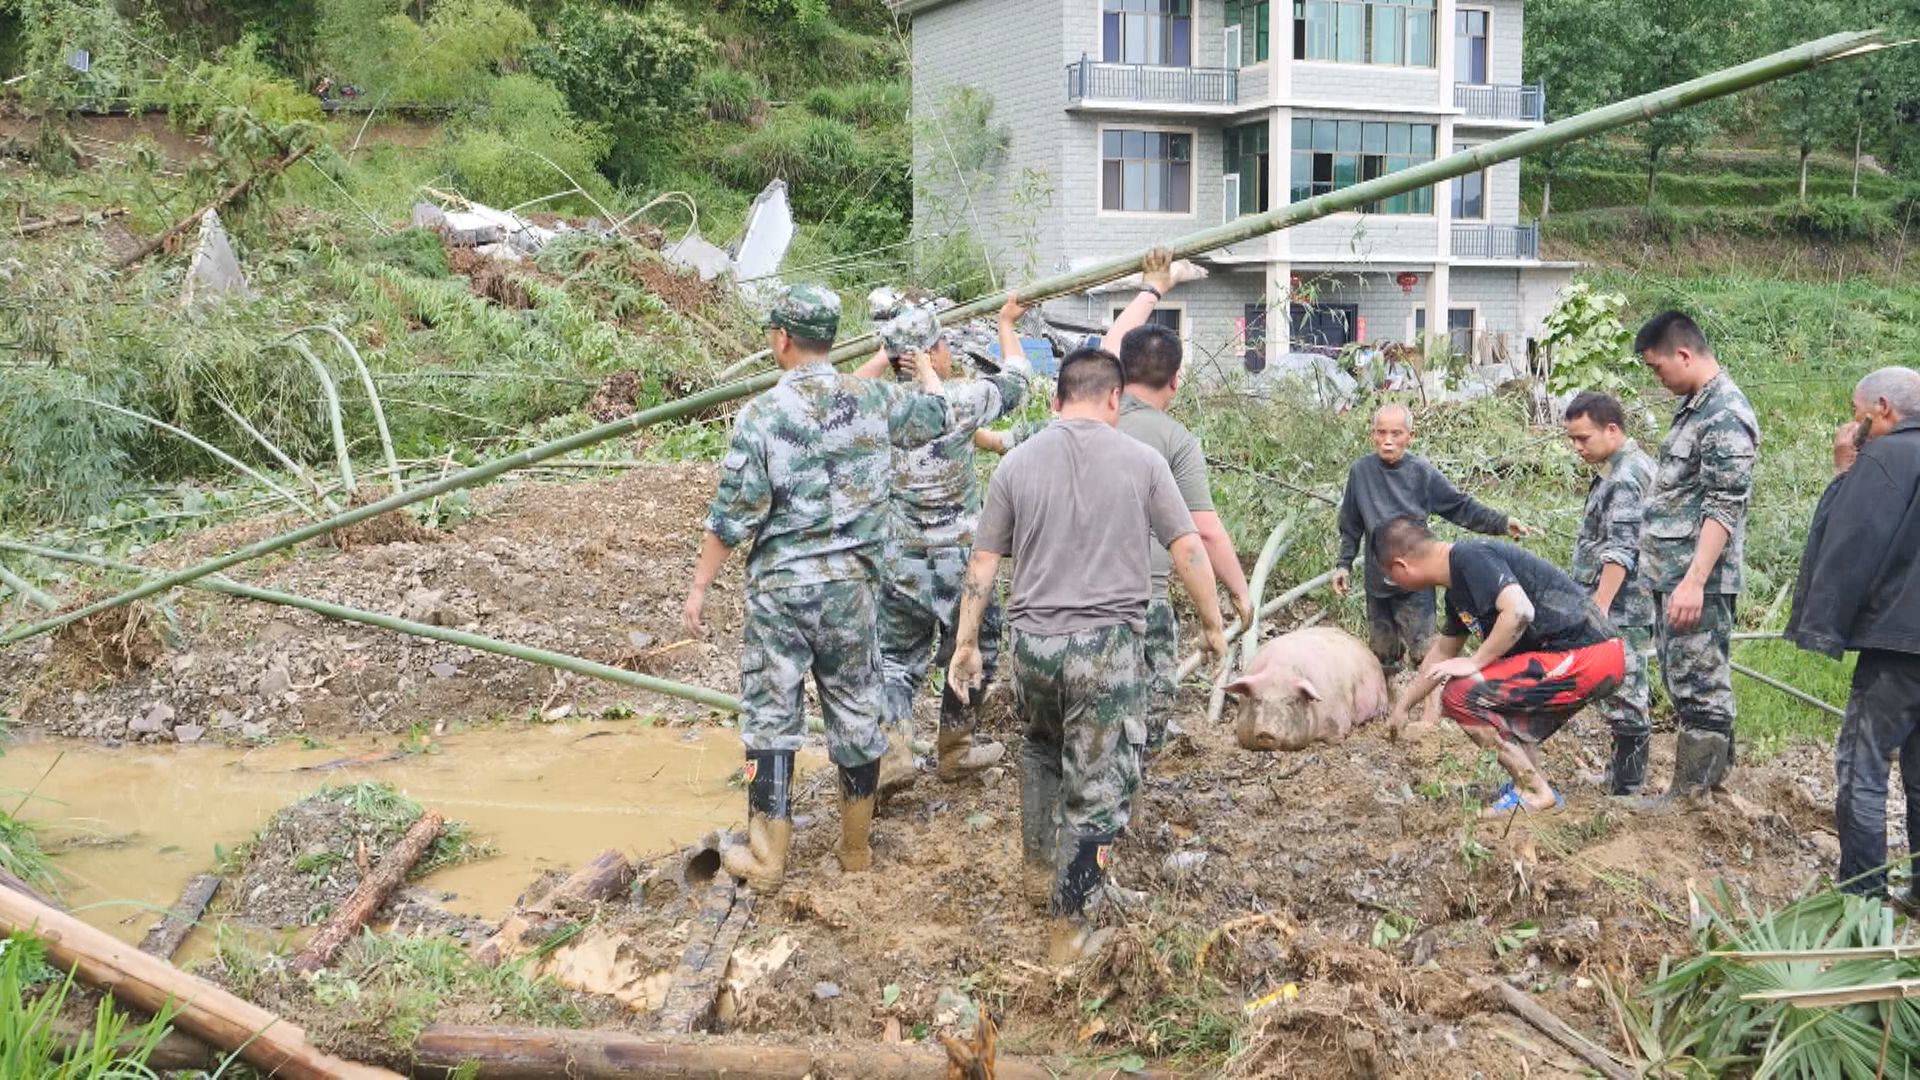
1157, 294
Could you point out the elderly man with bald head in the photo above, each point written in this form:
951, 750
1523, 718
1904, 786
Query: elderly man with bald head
1394, 483
1861, 592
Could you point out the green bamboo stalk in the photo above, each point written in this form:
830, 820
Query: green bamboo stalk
334, 416
203, 444
1271, 608
293, 467
1280, 537
373, 396
1796, 694
27, 591
562, 661
1767, 68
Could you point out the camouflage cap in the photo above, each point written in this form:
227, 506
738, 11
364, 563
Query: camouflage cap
884, 303
811, 312
915, 329
974, 342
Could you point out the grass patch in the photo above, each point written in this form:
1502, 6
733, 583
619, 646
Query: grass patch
32, 994
388, 811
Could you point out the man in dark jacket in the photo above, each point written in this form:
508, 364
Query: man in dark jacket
1861, 591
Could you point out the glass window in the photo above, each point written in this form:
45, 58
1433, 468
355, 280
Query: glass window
1460, 327
1399, 33
1147, 171
1157, 32
1470, 46
1253, 18
1254, 352
1470, 194
1332, 154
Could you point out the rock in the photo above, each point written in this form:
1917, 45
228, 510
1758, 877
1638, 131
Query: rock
274, 683
161, 713
143, 726
189, 733
443, 670
825, 991
1826, 843
224, 718
1181, 863
253, 729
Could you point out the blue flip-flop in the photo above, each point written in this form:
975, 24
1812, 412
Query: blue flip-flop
1509, 801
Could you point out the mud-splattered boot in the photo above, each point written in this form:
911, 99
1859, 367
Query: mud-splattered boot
897, 769
1071, 937
960, 757
858, 794
762, 860
1701, 762
1628, 773
1039, 832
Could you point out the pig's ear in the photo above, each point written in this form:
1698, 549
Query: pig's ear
1307, 690
1247, 685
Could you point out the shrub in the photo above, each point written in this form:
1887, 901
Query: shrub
496, 150
448, 60
728, 95
50, 32
1836, 219
615, 65
865, 103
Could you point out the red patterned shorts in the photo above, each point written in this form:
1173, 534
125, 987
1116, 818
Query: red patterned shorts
1528, 696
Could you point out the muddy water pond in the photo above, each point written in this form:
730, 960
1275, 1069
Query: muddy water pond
132, 825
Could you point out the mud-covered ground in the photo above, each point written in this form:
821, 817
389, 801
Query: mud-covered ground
1335, 910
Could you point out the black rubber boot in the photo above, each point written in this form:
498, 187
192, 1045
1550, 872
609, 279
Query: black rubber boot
1628, 772
1080, 877
859, 787
762, 861
1701, 761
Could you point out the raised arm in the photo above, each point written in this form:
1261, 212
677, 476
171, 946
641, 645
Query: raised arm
1156, 277
1842, 576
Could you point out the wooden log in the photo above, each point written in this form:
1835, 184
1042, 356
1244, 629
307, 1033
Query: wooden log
167, 934
604, 877
1558, 1030
369, 895
201, 1009
540, 1053
31, 227
270, 169
692, 997
175, 1052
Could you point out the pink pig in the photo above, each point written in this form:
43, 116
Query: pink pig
1313, 685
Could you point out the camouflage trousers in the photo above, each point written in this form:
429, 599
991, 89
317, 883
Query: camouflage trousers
1400, 628
1695, 666
1081, 696
1161, 651
1626, 711
919, 609
827, 630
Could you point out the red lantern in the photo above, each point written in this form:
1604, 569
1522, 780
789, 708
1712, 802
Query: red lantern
1407, 280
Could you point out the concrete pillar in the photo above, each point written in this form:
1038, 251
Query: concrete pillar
1439, 286
1279, 326
1443, 50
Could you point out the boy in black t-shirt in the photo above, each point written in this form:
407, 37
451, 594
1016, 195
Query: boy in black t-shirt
1545, 652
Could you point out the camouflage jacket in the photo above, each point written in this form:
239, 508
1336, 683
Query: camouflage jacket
1610, 533
936, 493
1705, 470
806, 476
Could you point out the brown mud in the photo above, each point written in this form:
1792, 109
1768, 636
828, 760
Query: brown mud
1335, 910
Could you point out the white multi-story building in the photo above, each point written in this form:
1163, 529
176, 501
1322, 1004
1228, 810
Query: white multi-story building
1137, 121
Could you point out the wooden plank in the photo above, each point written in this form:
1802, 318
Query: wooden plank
724, 914
172, 929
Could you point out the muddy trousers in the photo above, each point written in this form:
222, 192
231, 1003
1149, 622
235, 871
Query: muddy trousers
1696, 665
1161, 652
919, 608
1883, 720
1080, 696
828, 631
1400, 628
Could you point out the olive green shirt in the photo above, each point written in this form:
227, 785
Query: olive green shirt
1181, 448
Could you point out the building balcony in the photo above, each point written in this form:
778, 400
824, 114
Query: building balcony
1524, 104
1473, 241
1091, 83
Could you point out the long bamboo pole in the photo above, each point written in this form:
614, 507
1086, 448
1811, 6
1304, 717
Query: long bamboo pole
562, 661
1257, 590
1597, 121
28, 592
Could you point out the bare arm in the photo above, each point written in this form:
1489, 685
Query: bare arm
963, 673
1225, 561
1516, 614
713, 555
1444, 648
1156, 273
993, 442
876, 367
1190, 562
1612, 577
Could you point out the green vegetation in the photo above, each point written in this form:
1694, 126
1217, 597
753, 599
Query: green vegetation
388, 812
32, 995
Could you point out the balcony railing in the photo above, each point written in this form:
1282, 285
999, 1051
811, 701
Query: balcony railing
1090, 80
1526, 103
1471, 241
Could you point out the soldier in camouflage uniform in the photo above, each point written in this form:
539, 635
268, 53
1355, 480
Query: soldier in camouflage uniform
1079, 507
936, 499
1691, 546
1606, 559
806, 480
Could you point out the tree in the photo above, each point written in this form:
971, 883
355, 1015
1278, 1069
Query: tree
1668, 44
1809, 109
1577, 50
618, 67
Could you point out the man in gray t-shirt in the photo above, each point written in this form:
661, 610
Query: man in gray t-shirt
1150, 359
1079, 507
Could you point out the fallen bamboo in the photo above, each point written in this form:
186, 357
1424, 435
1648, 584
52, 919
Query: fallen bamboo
44, 224
541, 1053
172, 929
270, 169
200, 1008
1271, 608
692, 999
368, 896
1558, 1030
26, 591
699, 695
1796, 694
1593, 122
1277, 541
1898, 990
604, 877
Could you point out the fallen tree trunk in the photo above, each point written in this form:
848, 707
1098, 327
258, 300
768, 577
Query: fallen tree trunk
540, 1053
372, 892
167, 934
201, 1009
604, 877
270, 169
691, 1002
